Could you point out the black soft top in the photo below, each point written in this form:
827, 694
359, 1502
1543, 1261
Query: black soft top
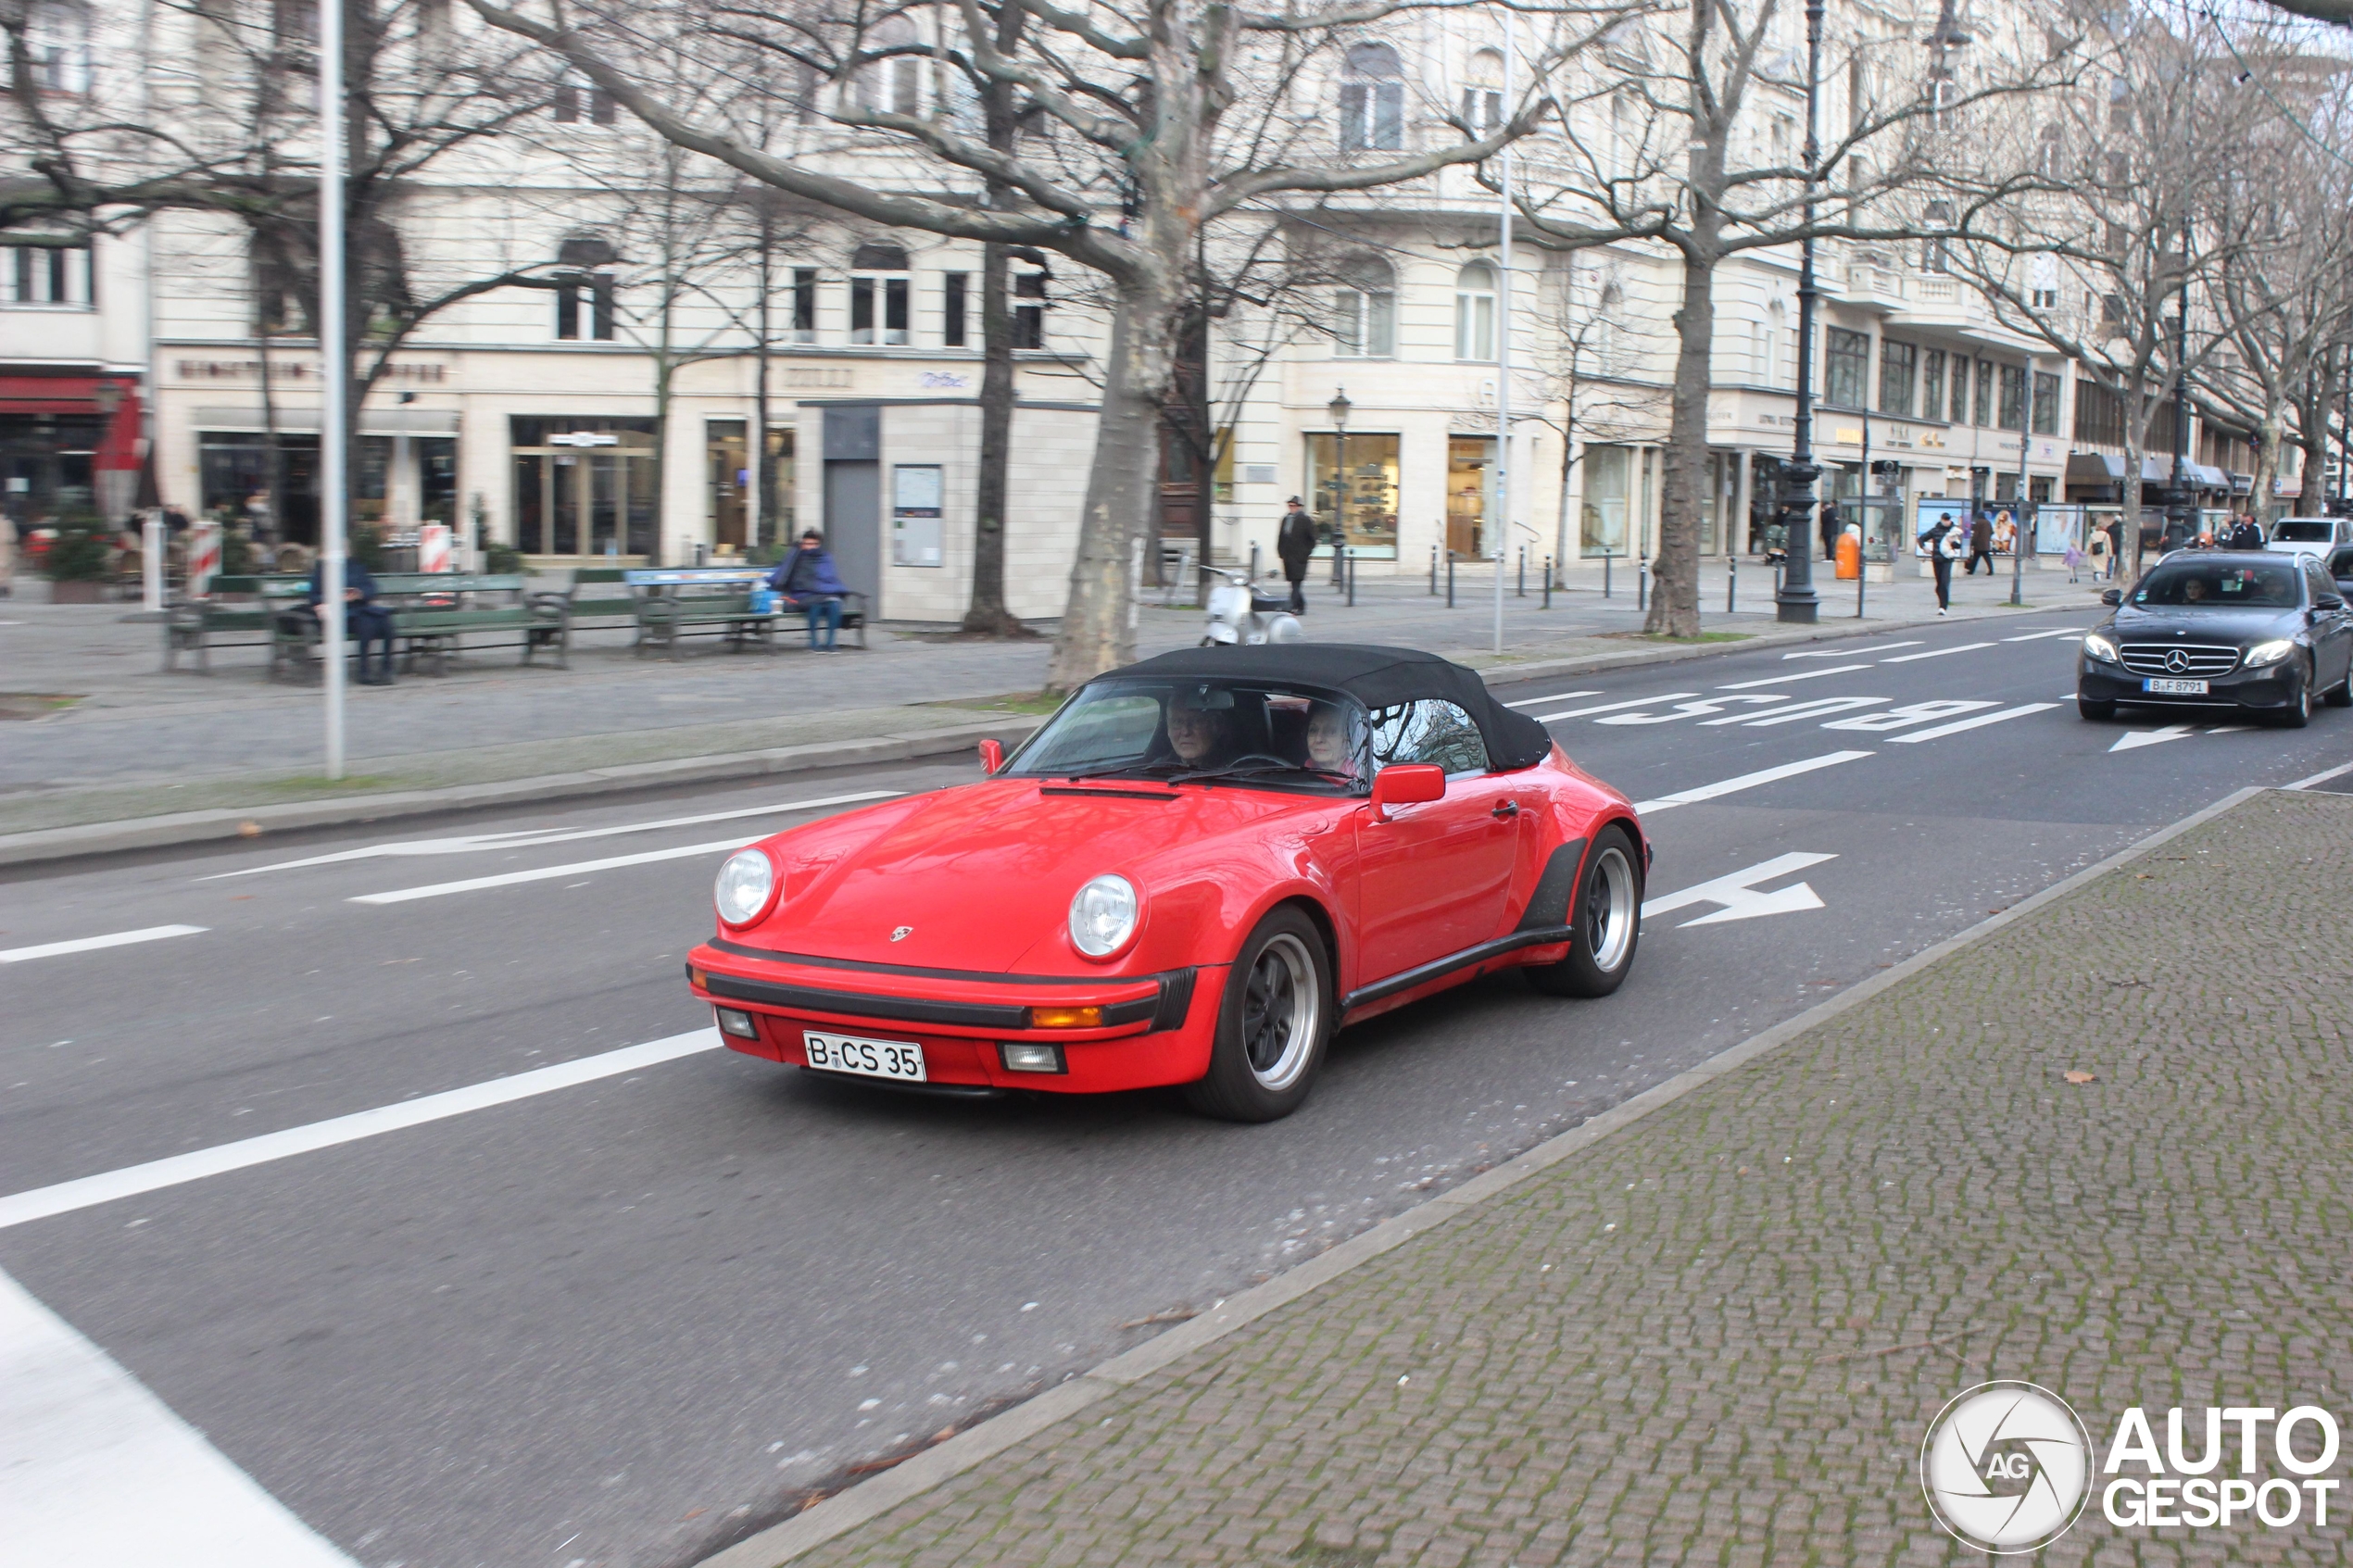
1378, 677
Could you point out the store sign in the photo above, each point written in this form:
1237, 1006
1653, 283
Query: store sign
816, 376
299, 371
584, 438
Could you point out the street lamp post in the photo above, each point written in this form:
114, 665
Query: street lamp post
2181, 506
1795, 601
2018, 502
1337, 408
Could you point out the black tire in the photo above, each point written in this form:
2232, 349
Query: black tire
2297, 714
2341, 693
1607, 918
1274, 1023
2092, 708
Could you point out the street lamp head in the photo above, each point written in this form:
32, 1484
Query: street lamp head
1337, 408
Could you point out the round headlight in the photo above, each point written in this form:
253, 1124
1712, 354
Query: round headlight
746, 886
1102, 917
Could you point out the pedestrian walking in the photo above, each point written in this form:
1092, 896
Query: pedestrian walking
809, 581
1981, 544
1831, 529
1942, 542
2246, 533
365, 622
7, 555
2097, 548
1294, 543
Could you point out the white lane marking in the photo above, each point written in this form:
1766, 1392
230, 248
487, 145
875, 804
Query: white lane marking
1801, 675
526, 838
548, 873
1747, 780
2323, 776
1738, 894
97, 1472
1803, 710
91, 944
2134, 740
1850, 653
1911, 713
86, 1192
1611, 706
1937, 653
2062, 632
1541, 701
1691, 709
1977, 723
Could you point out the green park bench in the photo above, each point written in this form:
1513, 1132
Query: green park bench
434, 613
241, 612
677, 602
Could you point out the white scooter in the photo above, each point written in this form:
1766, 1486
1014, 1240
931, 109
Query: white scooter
1239, 613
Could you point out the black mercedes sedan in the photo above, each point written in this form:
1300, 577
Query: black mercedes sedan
2259, 633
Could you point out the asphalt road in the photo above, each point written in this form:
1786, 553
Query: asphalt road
625, 1319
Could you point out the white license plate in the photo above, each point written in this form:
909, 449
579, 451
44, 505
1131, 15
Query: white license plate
901, 1059
2175, 688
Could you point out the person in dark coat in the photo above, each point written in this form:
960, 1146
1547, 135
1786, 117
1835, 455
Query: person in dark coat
1938, 542
2246, 533
364, 620
1294, 543
1981, 545
809, 581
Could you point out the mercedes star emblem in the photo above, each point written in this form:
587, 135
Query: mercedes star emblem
2177, 661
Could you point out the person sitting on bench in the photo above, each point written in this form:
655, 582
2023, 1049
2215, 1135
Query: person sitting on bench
808, 582
364, 620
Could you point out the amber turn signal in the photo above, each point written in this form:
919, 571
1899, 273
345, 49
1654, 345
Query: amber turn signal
1065, 1018
698, 978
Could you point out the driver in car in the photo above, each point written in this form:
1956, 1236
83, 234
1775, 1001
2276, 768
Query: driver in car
1197, 735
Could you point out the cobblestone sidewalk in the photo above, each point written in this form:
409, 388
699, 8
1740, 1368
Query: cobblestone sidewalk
1718, 1336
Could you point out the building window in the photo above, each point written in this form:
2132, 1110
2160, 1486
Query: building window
2099, 414
56, 36
878, 295
1934, 255
1029, 310
1898, 375
1956, 409
45, 274
1475, 312
951, 309
804, 305
577, 103
1372, 99
1846, 368
1365, 310
584, 290
1483, 98
285, 283
1359, 505
2046, 403
1985, 392
1602, 526
2013, 410
1931, 383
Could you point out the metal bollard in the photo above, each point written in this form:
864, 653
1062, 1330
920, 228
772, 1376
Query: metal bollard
1548, 582
1433, 571
1523, 571
1642, 584
1731, 582
1860, 576
1450, 580
1606, 558
1253, 561
1352, 577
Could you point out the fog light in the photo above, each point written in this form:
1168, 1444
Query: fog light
735, 1021
1021, 1056
1065, 1018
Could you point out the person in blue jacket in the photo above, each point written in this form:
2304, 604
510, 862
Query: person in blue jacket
364, 620
809, 581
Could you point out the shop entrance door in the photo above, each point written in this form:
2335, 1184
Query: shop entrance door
853, 522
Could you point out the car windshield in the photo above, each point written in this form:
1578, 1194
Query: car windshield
2305, 530
1191, 729
2182, 585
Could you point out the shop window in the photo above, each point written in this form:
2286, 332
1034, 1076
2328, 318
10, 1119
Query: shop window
1372, 99
956, 285
1609, 483
1365, 310
1483, 97
804, 305
1352, 486
584, 290
1475, 312
879, 285
45, 274
1029, 310
1898, 376
576, 102
2046, 403
1470, 483
1846, 366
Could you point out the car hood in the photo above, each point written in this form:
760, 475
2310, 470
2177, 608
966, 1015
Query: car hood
2239, 626
980, 875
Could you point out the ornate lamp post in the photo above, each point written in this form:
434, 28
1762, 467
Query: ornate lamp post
1337, 408
1795, 602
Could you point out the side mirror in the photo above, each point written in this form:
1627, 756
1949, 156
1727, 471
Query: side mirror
2112, 596
2329, 601
1406, 784
992, 757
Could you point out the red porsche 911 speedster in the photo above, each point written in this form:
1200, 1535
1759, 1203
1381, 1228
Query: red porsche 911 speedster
1192, 874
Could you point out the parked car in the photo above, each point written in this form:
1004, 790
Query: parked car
1192, 874
2260, 633
2340, 570
2310, 535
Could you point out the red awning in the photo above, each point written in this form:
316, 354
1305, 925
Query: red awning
56, 395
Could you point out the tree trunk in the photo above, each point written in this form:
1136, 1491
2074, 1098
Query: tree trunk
2312, 435
2136, 428
1675, 574
1099, 622
2269, 437
988, 614
762, 487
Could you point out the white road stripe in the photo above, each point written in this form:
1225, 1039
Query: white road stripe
547, 873
1804, 710
1977, 723
96, 1472
86, 1192
1850, 653
1801, 675
1611, 706
531, 838
1541, 701
2062, 632
1747, 780
91, 944
1936, 653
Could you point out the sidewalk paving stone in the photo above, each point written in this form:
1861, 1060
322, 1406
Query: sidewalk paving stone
1719, 1334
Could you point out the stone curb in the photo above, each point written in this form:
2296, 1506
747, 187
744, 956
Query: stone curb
200, 827
844, 1512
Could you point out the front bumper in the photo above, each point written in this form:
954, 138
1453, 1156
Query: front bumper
2272, 686
1154, 1029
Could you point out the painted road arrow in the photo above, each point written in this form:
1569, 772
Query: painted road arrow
2137, 738
1738, 893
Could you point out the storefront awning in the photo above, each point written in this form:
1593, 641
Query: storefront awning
298, 419
2093, 468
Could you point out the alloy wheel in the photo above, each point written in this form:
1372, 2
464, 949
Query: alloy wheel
1609, 912
1282, 1006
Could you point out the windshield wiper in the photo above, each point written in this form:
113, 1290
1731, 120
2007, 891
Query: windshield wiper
1259, 768
1116, 770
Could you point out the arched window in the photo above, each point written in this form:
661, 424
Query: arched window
1776, 336
1372, 99
1483, 94
588, 261
1475, 312
1609, 324
1365, 310
878, 274
892, 85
